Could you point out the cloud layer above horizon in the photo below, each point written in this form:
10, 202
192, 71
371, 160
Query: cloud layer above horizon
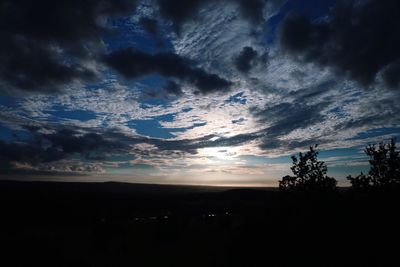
210, 92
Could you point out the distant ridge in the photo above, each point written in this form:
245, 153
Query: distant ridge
118, 187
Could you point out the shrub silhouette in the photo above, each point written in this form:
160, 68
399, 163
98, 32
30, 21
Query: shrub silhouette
360, 182
384, 167
309, 174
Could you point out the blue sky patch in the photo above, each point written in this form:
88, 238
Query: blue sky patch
393, 131
60, 112
153, 128
5, 133
8, 101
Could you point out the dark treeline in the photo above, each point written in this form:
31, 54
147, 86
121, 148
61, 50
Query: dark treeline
310, 173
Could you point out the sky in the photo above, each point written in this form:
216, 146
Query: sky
207, 92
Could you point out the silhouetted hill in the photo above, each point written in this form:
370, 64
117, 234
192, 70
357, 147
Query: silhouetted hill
108, 187
117, 224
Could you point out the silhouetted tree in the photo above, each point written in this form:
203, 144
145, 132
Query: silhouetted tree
361, 181
384, 170
309, 174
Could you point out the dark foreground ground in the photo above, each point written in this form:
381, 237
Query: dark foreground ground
111, 224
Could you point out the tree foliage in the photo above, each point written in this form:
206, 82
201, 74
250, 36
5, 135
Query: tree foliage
384, 160
309, 174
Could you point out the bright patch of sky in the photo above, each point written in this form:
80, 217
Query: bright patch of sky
178, 134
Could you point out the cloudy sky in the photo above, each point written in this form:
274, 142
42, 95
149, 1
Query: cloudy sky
216, 92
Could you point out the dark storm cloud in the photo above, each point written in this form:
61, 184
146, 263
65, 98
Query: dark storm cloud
70, 142
133, 64
246, 59
22, 153
33, 65
170, 90
149, 25
173, 88
43, 43
286, 117
252, 9
360, 40
181, 11
45, 148
391, 74
291, 116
